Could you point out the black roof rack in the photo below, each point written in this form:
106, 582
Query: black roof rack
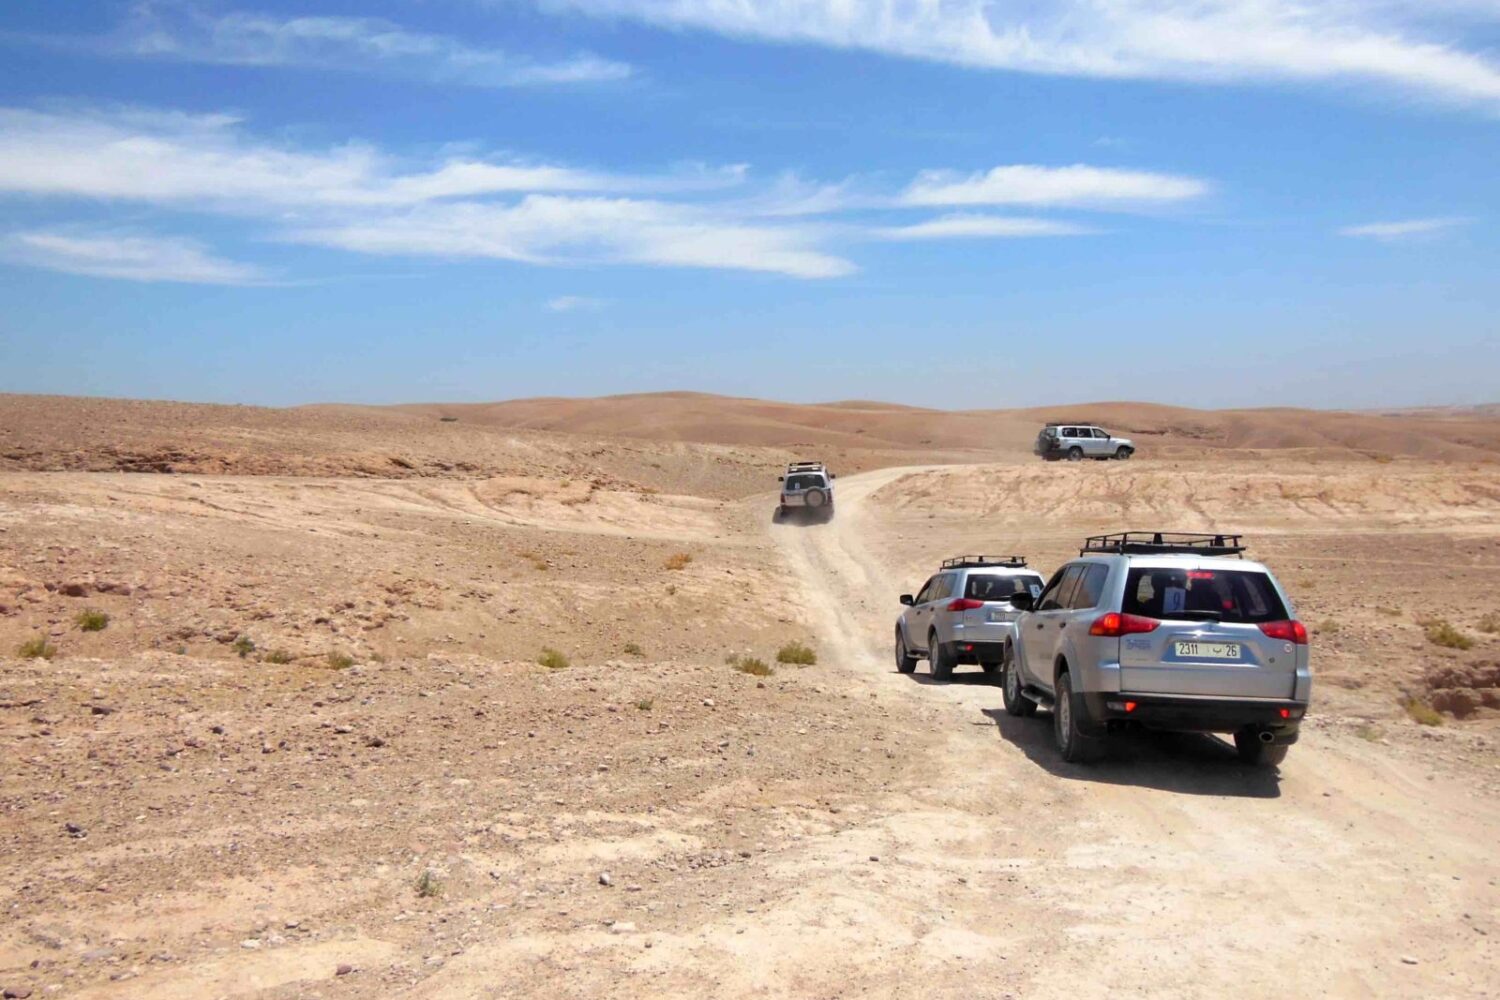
966, 562
1163, 543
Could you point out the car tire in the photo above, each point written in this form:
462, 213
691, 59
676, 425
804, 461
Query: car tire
1252, 751
1075, 454
939, 660
1069, 723
1122, 453
905, 662
1016, 703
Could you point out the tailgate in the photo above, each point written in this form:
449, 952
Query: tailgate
1216, 659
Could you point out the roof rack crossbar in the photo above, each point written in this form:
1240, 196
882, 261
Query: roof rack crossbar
965, 562
1164, 543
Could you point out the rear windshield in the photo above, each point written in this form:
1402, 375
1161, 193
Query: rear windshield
803, 482
995, 587
1213, 595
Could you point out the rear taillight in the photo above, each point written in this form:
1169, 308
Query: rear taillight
1291, 631
1114, 625
965, 604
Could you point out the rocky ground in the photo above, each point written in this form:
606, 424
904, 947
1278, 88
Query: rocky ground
294, 740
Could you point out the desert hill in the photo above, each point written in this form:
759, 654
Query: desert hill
642, 439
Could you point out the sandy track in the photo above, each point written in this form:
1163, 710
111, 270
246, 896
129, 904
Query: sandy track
1169, 869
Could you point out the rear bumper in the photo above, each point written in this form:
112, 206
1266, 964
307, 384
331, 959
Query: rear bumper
968, 651
1204, 715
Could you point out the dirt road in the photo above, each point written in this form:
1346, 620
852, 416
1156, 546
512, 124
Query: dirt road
1168, 870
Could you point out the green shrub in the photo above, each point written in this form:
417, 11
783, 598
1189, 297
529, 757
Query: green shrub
749, 665
429, 886
37, 649
91, 620
339, 660
552, 659
1422, 713
799, 653
1441, 633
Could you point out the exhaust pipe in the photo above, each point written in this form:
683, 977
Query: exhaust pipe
1266, 736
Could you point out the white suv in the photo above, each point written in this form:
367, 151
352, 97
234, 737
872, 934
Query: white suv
1162, 630
806, 487
964, 614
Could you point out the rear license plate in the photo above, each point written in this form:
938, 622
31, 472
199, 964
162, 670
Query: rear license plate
1209, 650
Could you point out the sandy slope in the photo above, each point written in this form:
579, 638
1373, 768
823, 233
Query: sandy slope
244, 827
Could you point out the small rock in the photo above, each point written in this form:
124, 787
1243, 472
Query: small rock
605, 879
343, 970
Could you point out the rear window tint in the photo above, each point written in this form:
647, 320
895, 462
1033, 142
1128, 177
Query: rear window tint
1220, 595
996, 587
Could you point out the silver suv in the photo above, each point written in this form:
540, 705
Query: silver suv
1162, 630
806, 487
964, 614
1076, 442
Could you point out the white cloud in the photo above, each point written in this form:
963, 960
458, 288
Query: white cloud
146, 156
188, 33
949, 227
551, 229
574, 303
125, 256
1024, 184
1407, 229
1406, 44
361, 199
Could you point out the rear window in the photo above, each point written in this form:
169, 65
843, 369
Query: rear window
1213, 595
996, 587
803, 482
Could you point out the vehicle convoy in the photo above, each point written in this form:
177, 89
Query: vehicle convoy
964, 614
1162, 630
1076, 442
806, 487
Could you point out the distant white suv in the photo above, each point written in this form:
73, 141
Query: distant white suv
806, 487
964, 614
1162, 630
1076, 442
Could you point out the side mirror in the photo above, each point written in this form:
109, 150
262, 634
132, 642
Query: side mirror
1022, 602
907, 600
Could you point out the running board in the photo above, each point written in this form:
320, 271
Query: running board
1037, 695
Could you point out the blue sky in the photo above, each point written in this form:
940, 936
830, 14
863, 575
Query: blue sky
952, 203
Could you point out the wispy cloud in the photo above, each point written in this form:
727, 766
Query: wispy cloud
362, 199
950, 227
186, 32
126, 256
1077, 185
574, 303
1406, 44
1406, 229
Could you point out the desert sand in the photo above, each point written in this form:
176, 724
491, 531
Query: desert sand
312, 752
